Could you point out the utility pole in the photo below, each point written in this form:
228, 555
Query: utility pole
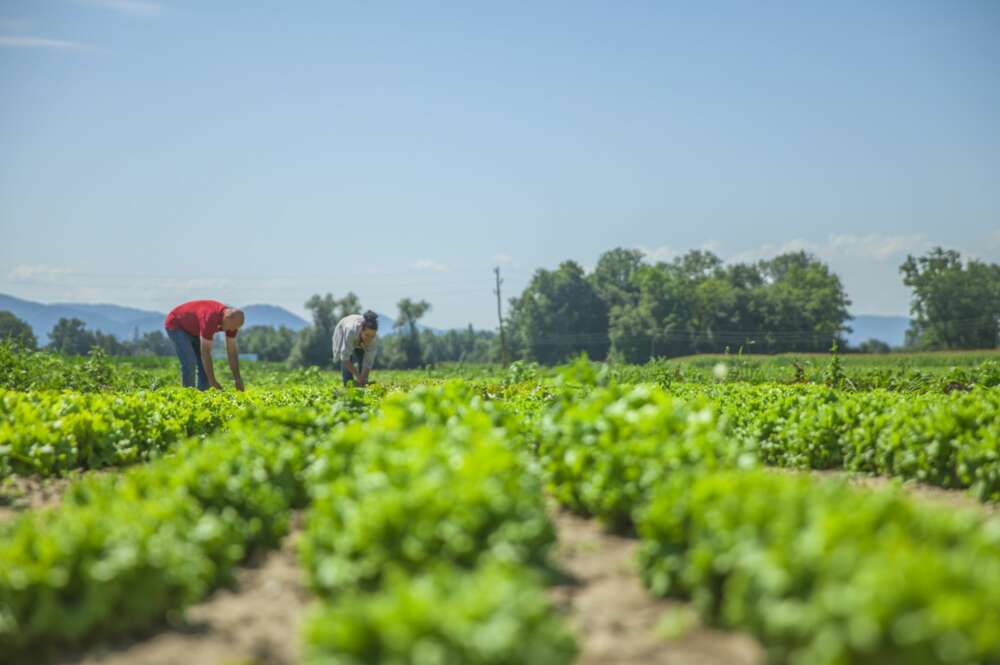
503, 338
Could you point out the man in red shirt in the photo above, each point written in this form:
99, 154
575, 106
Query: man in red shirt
191, 327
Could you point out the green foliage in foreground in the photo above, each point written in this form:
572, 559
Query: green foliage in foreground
824, 574
123, 551
820, 573
423, 544
603, 452
491, 615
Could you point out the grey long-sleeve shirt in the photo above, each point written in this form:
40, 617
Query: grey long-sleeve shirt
347, 337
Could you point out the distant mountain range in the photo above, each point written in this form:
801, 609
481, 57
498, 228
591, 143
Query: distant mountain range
124, 322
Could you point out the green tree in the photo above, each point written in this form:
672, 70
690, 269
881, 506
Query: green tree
409, 313
71, 337
269, 343
153, 343
954, 305
695, 304
15, 329
459, 346
314, 345
805, 305
874, 346
110, 344
559, 315
613, 277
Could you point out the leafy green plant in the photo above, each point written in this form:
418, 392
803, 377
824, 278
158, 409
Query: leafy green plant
822, 573
123, 551
491, 615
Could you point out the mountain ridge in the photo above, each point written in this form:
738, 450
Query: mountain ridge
124, 322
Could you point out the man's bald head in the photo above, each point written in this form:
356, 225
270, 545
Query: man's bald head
232, 319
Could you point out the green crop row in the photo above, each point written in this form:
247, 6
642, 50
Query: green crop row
952, 440
823, 574
121, 552
819, 572
48, 433
602, 452
426, 539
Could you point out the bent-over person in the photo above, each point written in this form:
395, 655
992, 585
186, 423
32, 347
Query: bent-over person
191, 327
355, 344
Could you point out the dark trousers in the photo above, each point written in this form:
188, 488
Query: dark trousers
188, 349
358, 357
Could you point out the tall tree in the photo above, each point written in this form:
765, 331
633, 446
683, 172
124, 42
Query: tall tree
71, 337
559, 315
18, 331
954, 305
805, 304
613, 277
409, 313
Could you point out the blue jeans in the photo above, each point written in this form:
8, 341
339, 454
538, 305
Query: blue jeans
357, 358
189, 352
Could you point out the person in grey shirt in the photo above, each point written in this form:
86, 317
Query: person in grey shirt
355, 344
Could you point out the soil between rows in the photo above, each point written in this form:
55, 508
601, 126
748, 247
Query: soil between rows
616, 620
258, 622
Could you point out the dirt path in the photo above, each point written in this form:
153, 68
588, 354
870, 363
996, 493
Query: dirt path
930, 494
258, 622
20, 493
616, 620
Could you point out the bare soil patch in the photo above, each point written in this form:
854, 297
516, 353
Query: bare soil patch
257, 622
929, 494
20, 493
616, 620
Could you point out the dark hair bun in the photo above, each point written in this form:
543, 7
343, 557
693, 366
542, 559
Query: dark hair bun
371, 320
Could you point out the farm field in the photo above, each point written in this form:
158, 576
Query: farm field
724, 509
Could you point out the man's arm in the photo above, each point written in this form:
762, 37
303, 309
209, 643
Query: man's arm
206, 361
233, 354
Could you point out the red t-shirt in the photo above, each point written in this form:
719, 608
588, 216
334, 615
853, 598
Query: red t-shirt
199, 318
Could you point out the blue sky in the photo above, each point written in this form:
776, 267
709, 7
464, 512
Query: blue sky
154, 152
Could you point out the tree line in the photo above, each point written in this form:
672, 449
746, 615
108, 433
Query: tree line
627, 309
410, 347
630, 310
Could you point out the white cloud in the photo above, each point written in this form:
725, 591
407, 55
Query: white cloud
10, 41
173, 283
661, 253
130, 7
429, 264
711, 246
503, 258
878, 247
872, 247
39, 274
994, 240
